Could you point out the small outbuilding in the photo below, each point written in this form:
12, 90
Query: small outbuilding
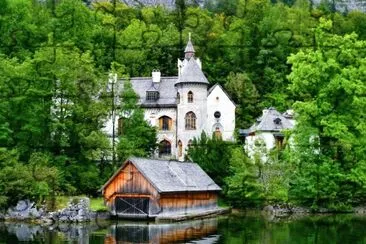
147, 188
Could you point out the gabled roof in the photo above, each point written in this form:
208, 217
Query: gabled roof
153, 88
218, 85
171, 176
267, 122
192, 73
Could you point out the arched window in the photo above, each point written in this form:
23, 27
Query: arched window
190, 97
190, 121
180, 149
165, 123
217, 132
165, 148
178, 98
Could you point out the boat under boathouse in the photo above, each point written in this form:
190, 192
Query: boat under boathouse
147, 188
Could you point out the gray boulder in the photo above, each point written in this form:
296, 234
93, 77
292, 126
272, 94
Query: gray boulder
76, 211
25, 209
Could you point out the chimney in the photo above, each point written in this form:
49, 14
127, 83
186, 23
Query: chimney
180, 65
156, 76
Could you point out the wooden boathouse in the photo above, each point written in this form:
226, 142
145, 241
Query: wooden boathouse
147, 188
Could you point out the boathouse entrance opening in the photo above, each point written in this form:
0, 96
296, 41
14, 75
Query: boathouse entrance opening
132, 206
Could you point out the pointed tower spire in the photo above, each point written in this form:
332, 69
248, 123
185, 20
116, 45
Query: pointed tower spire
189, 51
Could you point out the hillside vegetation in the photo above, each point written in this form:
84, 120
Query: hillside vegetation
55, 96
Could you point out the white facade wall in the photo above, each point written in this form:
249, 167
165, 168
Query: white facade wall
261, 142
219, 101
198, 106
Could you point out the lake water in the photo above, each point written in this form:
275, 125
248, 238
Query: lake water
238, 228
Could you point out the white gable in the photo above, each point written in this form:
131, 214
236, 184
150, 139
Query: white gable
219, 101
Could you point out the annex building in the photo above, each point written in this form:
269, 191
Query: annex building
183, 106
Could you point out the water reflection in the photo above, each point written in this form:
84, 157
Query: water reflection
23, 232
238, 228
181, 232
199, 231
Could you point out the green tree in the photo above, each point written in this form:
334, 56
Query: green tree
213, 155
245, 95
137, 137
35, 180
330, 139
244, 188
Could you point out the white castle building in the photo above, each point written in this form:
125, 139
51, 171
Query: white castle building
183, 106
267, 132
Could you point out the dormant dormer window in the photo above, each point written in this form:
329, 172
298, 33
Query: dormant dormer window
190, 97
277, 121
152, 95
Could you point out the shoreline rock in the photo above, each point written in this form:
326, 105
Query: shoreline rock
77, 211
279, 210
283, 210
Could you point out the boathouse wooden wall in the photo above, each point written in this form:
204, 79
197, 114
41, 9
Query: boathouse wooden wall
185, 201
131, 183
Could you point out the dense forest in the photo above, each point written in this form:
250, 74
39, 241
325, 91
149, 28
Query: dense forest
55, 61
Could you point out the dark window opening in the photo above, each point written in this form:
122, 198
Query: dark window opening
165, 148
279, 141
152, 95
277, 121
217, 114
190, 97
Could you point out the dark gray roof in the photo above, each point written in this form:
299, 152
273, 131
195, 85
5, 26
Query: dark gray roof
167, 91
192, 73
153, 87
172, 176
267, 122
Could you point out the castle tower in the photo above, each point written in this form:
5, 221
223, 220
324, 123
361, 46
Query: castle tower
191, 87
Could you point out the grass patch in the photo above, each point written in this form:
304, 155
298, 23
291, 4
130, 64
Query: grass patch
96, 204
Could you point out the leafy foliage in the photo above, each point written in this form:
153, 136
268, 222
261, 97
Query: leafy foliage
213, 155
330, 135
54, 61
137, 138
